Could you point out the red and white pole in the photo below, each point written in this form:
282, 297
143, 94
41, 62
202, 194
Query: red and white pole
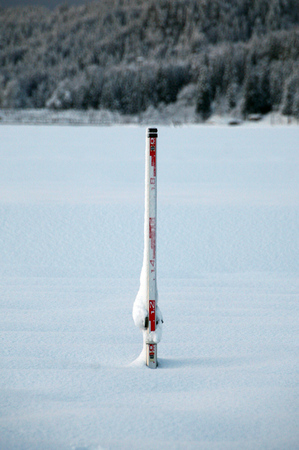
151, 205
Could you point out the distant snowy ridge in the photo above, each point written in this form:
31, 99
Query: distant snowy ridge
178, 113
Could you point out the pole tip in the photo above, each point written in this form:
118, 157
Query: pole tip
152, 132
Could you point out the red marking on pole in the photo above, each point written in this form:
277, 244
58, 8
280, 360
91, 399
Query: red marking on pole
151, 348
153, 154
152, 315
151, 351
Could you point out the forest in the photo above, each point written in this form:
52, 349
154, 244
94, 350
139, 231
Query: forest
126, 55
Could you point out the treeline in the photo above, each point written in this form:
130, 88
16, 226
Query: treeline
125, 55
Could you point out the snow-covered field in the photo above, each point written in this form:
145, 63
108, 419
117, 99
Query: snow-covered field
71, 240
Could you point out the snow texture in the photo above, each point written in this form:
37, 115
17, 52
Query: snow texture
71, 239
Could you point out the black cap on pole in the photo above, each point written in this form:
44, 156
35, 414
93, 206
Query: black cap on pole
152, 132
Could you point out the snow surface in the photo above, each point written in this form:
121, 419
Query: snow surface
71, 239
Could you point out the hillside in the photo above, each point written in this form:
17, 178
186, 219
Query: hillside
238, 57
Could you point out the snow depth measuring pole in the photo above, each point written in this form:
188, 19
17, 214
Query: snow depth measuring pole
151, 213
